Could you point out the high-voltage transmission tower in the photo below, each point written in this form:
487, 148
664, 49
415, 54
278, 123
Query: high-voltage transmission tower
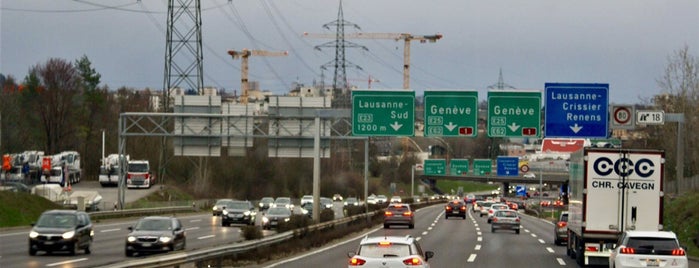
340, 87
183, 49
501, 83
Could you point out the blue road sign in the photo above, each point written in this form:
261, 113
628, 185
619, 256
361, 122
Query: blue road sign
520, 190
508, 166
576, 110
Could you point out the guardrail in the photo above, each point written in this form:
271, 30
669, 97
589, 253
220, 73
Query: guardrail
140, 212
200, 255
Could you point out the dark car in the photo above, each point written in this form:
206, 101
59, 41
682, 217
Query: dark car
216, 210
560, 231
455, 208
61, 230
307, 209
398, 214
238, 212
275, 216
155, 234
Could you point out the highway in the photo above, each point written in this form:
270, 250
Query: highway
456, 243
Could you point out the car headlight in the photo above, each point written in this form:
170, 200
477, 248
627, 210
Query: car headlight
246, 213
287, 219
261, 205
33, 234
165, 239
68, 235
224, 212
131, 238
215, 208
304, 211
265, 220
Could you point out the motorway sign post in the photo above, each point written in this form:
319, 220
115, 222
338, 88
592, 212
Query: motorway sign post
458, 166
383, 113
514, 113
576, 110
508, 166
482, 167
451, 113
435, 167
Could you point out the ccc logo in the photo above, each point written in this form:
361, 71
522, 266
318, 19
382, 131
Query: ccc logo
624, 167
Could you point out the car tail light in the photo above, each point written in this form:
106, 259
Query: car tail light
356, 262
384, 243
463, 207
561, 224
412, 261
448, 207
678, 252
388, 213
490, 211
591, 248
517, 219
128, 176
625, 250
408, 213
494, 219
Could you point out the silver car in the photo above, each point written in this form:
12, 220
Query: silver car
505, 220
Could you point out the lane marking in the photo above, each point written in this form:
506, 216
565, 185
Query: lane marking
526, 230
195, 220
479, 239
429, 228
205, 237
191, 228
534, 235
542, 241
550, 250
479, 233
110, 230
561, 261
66, 262
471, 258
418, 238
478, 247
424, 233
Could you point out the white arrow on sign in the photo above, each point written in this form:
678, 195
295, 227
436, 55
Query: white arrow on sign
451, 126
396, 126
513, 127
576, 128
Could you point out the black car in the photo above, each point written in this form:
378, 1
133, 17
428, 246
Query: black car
238, 212
275, 216
61, 230
455, 208
155, 234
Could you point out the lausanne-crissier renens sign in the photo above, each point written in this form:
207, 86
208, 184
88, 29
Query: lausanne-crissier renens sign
576, 110
383, 113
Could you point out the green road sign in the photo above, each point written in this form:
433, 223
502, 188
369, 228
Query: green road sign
435, 166
458, 166
383, 113
451, 113
482, 167
514, 113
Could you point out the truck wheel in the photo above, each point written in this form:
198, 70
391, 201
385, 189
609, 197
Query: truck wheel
580, 255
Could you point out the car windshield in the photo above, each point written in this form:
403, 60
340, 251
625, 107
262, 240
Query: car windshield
506, 213
267, 200
499, 207
279, 212
282, 201
57, 220
351, 199
384, 251
652, 243
564, 217
398, 209
236, 205
153, 225
221, 202
138, 167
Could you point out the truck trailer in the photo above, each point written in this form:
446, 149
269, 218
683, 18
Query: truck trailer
612, 191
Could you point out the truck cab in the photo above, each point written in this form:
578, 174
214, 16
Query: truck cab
138, 174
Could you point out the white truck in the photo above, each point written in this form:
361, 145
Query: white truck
109, 170
138, 174
612, 191
65, 165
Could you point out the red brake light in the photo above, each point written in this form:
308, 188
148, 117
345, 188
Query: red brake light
562, 224
412, 261
388, 213
490, 211
408, 213
517, 219
591, 249
356, 262
678, 252
448, 207
128, 176
625, 250
463, 207
494, 219
384, 243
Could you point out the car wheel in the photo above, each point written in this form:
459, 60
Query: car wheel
489, 220
32, 251
517, 231
492, 230
463, 217
385, 226
87, 250
128, 253
73, 249
412, 226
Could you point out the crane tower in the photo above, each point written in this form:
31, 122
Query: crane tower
244, 55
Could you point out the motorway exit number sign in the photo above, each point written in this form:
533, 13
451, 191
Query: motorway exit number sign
514, 113
383, 113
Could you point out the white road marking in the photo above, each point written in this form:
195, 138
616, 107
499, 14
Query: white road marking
66, 262
424, 233
191, 228
533, 235
205, 237
526, 230
418, 238
542, 241
198, 220
429, 228
550, 250
560, 261
479, 239
478, 247
471, 258
110, 230
479, 233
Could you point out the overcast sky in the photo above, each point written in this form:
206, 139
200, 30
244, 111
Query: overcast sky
625, 43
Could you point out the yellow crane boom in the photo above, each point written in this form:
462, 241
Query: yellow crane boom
406, 37
244, 55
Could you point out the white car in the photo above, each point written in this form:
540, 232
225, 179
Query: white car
306, 199
396, 199
529, 175
389, 251
495, 207
648, 249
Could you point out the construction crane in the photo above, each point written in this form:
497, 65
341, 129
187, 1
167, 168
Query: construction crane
244, 55
369, 81
406, 37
